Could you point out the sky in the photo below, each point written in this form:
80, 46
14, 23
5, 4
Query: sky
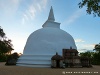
20, 18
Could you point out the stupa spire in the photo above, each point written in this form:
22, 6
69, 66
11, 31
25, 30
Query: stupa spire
51, 15
50, 21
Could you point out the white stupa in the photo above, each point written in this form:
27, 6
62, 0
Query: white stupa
43, 43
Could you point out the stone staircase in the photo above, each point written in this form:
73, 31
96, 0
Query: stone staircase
35, 60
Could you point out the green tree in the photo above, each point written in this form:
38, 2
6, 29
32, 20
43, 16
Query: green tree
87, 54
96, 56
97, 48
93, 6
5, 45
12, 59
2, 34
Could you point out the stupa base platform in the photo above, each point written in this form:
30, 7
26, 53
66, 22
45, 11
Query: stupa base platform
35, 65
35, 61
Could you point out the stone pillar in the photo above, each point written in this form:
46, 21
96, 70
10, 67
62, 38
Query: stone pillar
61, 63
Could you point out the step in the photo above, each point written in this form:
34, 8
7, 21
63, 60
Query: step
39, 57
35, 61
35, 65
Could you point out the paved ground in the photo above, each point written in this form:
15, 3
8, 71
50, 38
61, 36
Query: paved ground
19, 70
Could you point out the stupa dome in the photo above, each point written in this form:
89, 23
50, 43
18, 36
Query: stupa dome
45, 42
48, 40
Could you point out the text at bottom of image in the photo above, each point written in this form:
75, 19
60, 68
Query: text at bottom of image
65, 72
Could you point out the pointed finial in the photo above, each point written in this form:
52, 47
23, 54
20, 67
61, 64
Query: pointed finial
56, 53
70, 47
51, 15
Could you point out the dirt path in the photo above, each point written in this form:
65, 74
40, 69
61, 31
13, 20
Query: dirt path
19, 70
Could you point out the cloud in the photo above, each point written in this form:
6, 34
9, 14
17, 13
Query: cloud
85, 47
73, 17
26, 9
85, 50
82, 50
79, 40
82, 46
9, 7
88, 46
23, 20
33, 9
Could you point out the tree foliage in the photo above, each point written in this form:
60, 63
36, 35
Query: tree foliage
97, 48
87, 54
5, 45
94, 55
96, 58
12, 59
2, 34
93, 6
